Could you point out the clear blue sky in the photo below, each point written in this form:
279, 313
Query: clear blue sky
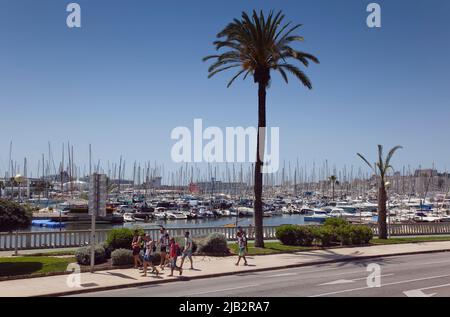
133, 72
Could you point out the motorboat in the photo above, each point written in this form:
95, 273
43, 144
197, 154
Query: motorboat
316, 215
128, 217
423, 217
246, 211
340, 213
176, 215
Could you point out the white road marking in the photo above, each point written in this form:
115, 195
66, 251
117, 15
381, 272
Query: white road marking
224, 290
420, 292
350, 281
387, 284
417, 293
281, 275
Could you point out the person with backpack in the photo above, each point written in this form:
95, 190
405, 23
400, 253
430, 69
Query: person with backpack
150, 250
187, 251
174, 253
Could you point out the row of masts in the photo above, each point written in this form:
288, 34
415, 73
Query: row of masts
296, 176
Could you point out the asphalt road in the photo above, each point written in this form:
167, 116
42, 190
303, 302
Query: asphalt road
413, 276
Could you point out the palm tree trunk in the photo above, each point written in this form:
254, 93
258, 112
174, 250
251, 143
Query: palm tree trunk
382, 225
333, 190
258, 186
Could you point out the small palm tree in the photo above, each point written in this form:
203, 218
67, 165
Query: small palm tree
256, 46
381, 168
334, 181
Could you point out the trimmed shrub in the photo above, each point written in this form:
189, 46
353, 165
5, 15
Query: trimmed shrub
121, 238
286, 234
326, 235
336, 222
361, 235
296, 235
304, 236
121, 257
344, 235
215, 243
14, 216
83, 255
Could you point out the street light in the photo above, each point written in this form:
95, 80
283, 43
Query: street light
19, 179
387, 185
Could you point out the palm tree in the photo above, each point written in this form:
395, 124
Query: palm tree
334, 181
381, 168
257, 45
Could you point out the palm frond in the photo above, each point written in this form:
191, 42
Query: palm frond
365, 160
258, 43
211, 74
391, 154
297, 73
235, 77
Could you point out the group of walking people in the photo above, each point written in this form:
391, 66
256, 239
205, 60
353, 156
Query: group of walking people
145, 250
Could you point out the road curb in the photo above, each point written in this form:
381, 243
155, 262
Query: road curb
183, 278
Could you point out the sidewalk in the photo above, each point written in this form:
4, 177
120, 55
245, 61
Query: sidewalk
208, 267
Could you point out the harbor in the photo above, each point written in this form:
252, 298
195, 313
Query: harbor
148, 200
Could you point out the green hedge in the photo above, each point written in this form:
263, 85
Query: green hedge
296, 235
121, 238
334, 231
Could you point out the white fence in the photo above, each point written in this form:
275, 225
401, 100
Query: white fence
67, 239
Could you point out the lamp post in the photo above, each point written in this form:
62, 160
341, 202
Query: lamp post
387, 185
19, 179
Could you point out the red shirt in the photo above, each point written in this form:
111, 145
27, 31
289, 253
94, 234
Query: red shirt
173, 250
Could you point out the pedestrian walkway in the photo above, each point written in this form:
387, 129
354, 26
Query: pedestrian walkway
206, 267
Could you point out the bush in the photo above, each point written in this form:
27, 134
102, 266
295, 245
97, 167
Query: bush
215, 243
361, 235
344, 234
121, 238
354, 235
304, 236
296, 235
286, 234
326, 235
336, 222
83, 255
14, 216
122, 257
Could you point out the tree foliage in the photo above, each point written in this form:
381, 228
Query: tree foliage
14, 216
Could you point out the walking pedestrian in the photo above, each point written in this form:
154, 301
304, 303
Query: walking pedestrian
187, 251
242, 244
174, 253
150, 250
136, 247
163, 243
